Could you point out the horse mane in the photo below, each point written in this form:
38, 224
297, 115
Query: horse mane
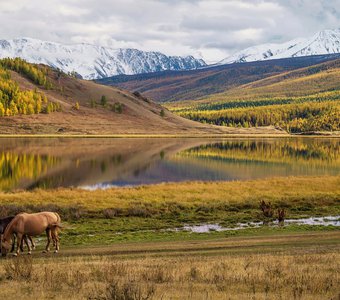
8, 228
7, 219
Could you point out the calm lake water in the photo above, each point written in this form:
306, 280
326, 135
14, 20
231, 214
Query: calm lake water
99, 163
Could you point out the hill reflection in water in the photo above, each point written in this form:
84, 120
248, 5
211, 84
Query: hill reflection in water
100, 163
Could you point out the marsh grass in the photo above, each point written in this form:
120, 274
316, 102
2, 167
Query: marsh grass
146, 212
298, 194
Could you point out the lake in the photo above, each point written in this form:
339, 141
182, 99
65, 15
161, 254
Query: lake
102, 162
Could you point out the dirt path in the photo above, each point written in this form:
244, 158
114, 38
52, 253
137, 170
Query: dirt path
298, 242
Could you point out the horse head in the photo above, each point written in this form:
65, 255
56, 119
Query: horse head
5, 246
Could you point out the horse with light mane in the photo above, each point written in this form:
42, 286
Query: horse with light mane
32, 225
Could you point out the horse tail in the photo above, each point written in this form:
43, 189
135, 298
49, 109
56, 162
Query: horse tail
55, 225
58, 217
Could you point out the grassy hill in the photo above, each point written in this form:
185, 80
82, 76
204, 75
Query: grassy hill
36, 99
195, 84
302, 100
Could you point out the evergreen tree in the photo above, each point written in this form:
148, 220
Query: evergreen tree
103, 101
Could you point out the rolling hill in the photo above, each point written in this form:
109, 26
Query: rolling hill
195, 84
306, 99
36, 99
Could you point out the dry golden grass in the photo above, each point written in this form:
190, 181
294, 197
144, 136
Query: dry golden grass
303, 274
323, 190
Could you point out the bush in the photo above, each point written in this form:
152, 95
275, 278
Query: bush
20, 268
76, 106
130, 290
141, 211
117, 107
140, 96
110, 213
103, 101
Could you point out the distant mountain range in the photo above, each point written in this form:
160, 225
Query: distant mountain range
323, 42
94, 62
195, 84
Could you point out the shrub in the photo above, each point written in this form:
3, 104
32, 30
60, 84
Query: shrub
139, 211
129, 290
76, 106
117, 107
103, 101
20, 268
110, 213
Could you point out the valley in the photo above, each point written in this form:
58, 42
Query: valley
165, 177
81, 107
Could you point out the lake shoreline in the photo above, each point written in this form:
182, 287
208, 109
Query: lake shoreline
189, 136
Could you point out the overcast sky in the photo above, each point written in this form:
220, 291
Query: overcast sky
212, 29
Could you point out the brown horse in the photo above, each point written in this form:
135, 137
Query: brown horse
3, 224
32, 225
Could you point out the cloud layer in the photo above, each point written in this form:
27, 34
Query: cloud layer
212, 29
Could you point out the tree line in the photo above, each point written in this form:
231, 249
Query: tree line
37, 75
15, 101
302, 117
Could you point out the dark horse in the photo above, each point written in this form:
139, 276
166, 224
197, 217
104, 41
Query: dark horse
3, 224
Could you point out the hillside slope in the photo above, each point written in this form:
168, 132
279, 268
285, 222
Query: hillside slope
307, 99
82, 109
195, 84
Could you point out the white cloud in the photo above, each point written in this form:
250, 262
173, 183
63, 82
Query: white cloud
210, 28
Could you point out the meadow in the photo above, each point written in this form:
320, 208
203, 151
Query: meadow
145, 213
125, 243
299, 266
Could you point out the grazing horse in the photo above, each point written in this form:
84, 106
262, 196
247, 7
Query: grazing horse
4, 223
32, 225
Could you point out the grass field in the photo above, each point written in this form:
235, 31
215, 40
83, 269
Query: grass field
145, 213
294, 266
122, 243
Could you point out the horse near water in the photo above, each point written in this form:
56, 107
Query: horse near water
32, 225
3, 224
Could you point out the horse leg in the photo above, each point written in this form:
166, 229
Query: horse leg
22, 243
27, 244
49, 237
55, 239
13, 244
19, 240
32, 242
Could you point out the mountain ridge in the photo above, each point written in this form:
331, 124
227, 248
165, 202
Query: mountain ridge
323, 42
195, 84
92, 61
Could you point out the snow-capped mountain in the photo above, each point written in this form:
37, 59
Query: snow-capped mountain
323, 42
93, 62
